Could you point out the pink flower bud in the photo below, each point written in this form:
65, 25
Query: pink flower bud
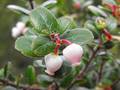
19, 29
20, 25
15, 32
73, 53
24, 30
53, 63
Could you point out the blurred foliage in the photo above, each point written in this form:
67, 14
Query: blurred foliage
7, 21
8, 53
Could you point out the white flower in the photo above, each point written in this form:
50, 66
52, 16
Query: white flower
53, 63
15, 32
20, 25
20, 28
73, 53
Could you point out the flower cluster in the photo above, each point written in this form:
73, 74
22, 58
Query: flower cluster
19, 29
72, 54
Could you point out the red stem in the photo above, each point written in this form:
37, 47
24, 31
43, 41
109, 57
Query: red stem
58, 43
65, 41
107, 34
56, 49
56, 38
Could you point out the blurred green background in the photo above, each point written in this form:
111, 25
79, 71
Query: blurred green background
8, 19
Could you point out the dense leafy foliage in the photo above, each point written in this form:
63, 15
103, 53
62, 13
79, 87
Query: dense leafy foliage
51, 27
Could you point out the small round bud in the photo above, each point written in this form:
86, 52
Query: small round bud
20, 25
73, 54
53, 63
24, 30
100, 23
15, 32
19, 29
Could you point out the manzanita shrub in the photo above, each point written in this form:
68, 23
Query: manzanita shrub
71, 43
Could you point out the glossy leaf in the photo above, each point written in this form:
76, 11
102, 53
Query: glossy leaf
43, 19
42, 46
30, 75
66, 22
49, 4
44, 80
111, 23
18, 9
23, 44
38, 63
79, 35
89, 25
97, 11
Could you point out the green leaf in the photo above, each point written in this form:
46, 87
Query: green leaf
18, 9
7, 68
49, 4
79, 35
97, 11
109, 2
38, 63
30, 75
111, 23
67, 79
30, 32
43, 19
90, 26
23, 44
66, 22
44, 80
64, 70
42, 46
1, 73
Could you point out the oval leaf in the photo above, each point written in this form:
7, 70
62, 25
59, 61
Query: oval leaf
42, 46
66, 22
45, 80
96, 11
43, 19
18, 9
23, 44
30, 75
78, 35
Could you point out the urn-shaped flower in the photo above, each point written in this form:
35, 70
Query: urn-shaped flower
53, 63
73, 53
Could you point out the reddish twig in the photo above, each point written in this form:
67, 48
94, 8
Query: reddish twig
23, 87
101, 70
53, 86
116, 82
80, 76
88, 64
31, 4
